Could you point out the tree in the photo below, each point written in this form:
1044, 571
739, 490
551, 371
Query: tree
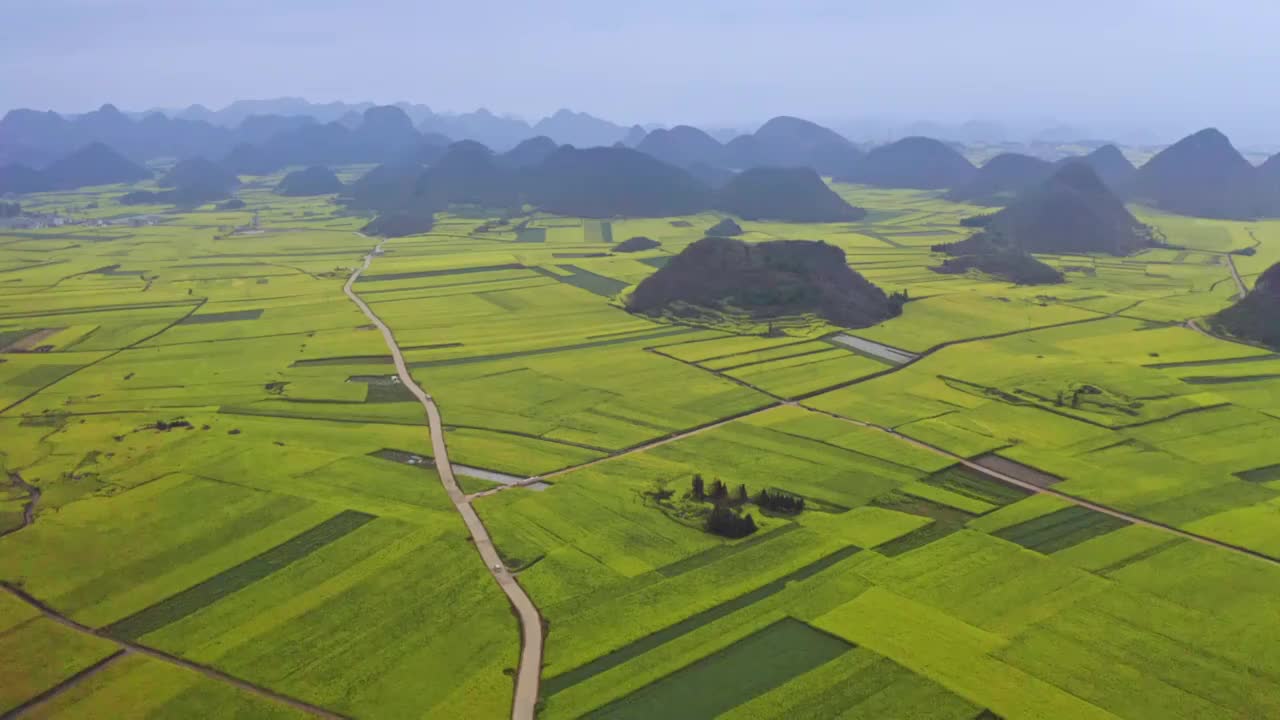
741, 496
718, 490
727, 523
698, 492
779, 502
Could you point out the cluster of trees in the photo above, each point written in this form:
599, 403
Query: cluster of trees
717, 492
725, 522
726, 518
9, 210
779, 502
166, 425
897, 299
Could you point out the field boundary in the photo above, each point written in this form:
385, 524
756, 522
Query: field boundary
664, 635
835, 647
64, 686
172, 659
108, 356
238, 577
1074, 499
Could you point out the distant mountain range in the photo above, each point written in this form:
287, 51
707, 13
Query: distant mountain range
1007, 175
36, 138
1070, 211
1201, 175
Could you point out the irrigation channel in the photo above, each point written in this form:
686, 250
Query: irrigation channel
528, 676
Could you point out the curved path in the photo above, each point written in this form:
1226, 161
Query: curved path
528, 676
1241, 289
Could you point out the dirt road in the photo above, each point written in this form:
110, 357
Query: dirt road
529, 674
1241, 290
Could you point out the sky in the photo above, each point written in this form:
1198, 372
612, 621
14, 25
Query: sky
1164, 66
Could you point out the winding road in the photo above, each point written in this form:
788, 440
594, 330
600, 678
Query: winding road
528, 676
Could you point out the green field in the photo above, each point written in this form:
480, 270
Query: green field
226, 474
750, 667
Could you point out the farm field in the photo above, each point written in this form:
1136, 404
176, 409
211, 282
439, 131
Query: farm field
219, 498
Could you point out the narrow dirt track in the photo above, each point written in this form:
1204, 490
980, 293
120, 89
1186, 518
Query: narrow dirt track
1193, 325
164, 657
528, 676
1235, 274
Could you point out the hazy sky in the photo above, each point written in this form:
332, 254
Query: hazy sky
1166, 64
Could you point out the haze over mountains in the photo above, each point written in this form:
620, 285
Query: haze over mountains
1072, 211
36, 137
1204, 175
916, 162
490, 159
1006, 175
779, 193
